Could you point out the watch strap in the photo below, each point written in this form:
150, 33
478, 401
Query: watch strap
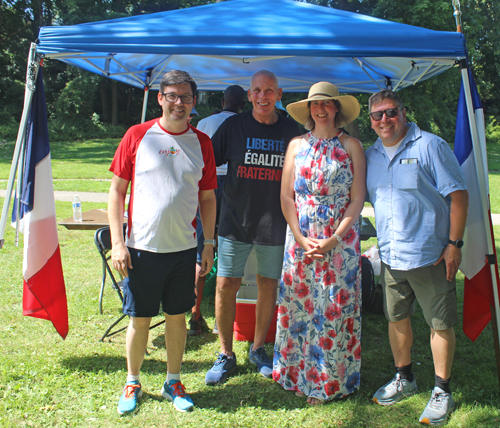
459, 243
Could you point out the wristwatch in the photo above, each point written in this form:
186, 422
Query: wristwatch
337, 237
459, 243
209, 241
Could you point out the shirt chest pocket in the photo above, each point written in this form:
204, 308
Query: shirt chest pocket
406, 176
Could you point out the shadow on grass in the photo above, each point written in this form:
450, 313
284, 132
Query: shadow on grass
102, 363
87, 151
93, 152
232, 397
192, 342
353, 411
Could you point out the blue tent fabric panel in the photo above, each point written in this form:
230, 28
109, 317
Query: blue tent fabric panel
224, 43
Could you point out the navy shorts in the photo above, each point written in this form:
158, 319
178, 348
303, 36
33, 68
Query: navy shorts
159, 278
221, 180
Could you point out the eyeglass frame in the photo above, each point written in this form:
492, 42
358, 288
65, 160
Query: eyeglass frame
386, 113
177, 97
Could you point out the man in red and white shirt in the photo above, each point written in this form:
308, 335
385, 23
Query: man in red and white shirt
171, 170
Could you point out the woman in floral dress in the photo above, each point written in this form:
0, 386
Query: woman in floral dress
317, 350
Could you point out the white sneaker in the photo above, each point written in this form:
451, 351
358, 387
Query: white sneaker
438, 408
395, 391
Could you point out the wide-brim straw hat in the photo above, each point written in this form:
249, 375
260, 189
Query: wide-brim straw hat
349, 106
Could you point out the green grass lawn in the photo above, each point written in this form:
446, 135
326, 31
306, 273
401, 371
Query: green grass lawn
493, 152
48, 382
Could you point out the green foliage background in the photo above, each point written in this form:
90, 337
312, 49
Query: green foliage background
79, 103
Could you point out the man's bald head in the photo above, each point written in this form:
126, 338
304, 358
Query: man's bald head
263, 93
266, 73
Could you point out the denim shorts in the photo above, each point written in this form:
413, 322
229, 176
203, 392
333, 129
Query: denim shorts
428, 285
166, 278
232, 256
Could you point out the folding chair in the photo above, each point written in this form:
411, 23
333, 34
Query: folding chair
102, 239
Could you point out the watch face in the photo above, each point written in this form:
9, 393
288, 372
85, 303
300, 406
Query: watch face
459, 243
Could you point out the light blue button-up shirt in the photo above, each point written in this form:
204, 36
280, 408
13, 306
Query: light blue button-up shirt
410, 196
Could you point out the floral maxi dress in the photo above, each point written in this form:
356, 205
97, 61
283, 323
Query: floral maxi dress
317, 349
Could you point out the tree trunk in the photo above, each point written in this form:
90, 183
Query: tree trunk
129, 103
114, 103
104, 102
353, 129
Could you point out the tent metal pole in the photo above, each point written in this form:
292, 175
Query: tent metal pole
31, 73
145, 104
481, 169
457, 14
20, 174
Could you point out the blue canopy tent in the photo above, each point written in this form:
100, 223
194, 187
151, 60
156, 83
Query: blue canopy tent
225, 43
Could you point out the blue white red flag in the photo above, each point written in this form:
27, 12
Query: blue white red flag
478, 286
44, 292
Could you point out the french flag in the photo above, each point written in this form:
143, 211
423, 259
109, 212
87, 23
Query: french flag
478, 286
44, 292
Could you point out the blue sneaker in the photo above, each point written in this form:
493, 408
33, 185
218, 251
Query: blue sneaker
259, 358
395, 391
221, 370
130, 397
438, 408
175, 392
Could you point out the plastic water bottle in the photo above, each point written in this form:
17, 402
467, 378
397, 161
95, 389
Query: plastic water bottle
77, 209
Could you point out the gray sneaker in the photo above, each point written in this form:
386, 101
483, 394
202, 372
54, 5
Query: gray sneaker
223, 367
259, 358
438, 408
395, 390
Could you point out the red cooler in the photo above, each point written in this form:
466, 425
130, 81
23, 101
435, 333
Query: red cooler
244, 323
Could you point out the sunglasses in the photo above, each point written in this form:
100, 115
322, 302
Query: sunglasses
390, 113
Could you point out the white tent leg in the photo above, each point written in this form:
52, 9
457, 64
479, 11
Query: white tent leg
31, 74
145, 104
481, 169
20, 174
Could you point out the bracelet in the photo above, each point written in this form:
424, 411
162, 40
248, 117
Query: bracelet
209, 241
337, 237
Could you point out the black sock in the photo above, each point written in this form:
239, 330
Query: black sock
405, 372
443, 384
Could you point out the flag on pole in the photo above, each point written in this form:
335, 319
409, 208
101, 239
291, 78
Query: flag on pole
44, 292
478, 286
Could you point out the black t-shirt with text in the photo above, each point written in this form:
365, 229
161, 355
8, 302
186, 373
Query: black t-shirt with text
255, 152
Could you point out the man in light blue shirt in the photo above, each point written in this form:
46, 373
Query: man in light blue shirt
420, 199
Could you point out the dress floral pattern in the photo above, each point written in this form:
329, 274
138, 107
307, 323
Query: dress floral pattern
317, 349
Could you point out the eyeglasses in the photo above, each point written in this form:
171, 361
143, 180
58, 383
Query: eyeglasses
390, 113
172, 98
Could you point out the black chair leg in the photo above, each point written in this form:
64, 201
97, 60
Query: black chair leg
107, 334
101, 294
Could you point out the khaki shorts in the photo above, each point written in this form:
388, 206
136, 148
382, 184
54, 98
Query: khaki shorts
428, 285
